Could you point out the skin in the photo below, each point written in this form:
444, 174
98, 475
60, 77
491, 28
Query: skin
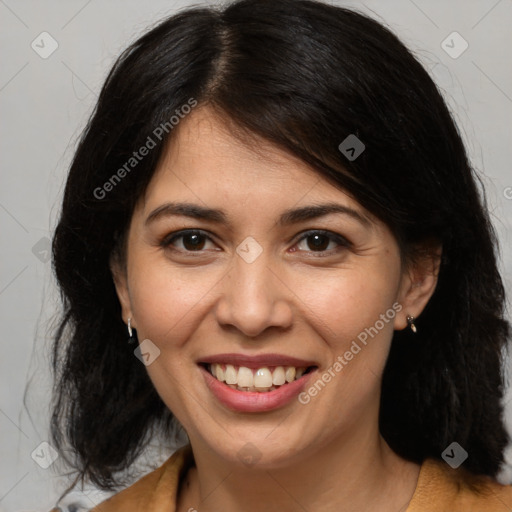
328, 454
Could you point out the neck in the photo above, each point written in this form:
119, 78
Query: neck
344, 475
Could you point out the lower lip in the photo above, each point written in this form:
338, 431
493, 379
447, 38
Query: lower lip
255, 401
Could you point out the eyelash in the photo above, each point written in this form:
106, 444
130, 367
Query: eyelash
342, 242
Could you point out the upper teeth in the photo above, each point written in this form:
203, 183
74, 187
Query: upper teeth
262, 379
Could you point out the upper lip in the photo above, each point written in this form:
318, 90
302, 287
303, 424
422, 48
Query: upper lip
257, 361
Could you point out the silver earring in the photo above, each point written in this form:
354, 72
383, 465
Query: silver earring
410, 321
131, 335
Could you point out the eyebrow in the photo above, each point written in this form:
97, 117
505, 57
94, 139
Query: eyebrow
304, 213
193, 211
288, 217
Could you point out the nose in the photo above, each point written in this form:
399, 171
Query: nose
254, 298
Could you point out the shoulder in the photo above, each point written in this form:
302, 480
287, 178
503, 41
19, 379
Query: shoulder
159, 487
156, 488
443, 489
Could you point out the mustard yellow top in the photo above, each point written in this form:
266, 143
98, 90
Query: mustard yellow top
439, 489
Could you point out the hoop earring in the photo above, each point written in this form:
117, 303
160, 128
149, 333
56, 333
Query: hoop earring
132, 338
410, 321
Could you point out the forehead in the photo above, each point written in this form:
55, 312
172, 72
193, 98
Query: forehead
211, 147
208, 160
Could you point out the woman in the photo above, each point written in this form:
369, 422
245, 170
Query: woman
271, 236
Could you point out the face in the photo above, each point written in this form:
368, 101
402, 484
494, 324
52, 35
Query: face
251, 266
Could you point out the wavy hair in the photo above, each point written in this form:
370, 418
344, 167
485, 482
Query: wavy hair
303, 75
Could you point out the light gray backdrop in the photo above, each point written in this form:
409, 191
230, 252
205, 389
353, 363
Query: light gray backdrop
55, 55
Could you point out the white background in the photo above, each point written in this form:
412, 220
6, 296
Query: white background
44, 104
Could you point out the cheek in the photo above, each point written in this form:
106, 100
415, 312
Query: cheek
353, 304
166, 302
354, 313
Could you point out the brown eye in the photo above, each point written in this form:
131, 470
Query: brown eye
193, 242
318, 242
188, 241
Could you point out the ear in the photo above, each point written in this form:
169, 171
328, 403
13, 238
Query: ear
418, 283
118, 270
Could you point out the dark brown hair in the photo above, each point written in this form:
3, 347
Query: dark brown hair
303, 75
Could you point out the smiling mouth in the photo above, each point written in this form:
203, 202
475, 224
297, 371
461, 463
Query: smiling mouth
264, 379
